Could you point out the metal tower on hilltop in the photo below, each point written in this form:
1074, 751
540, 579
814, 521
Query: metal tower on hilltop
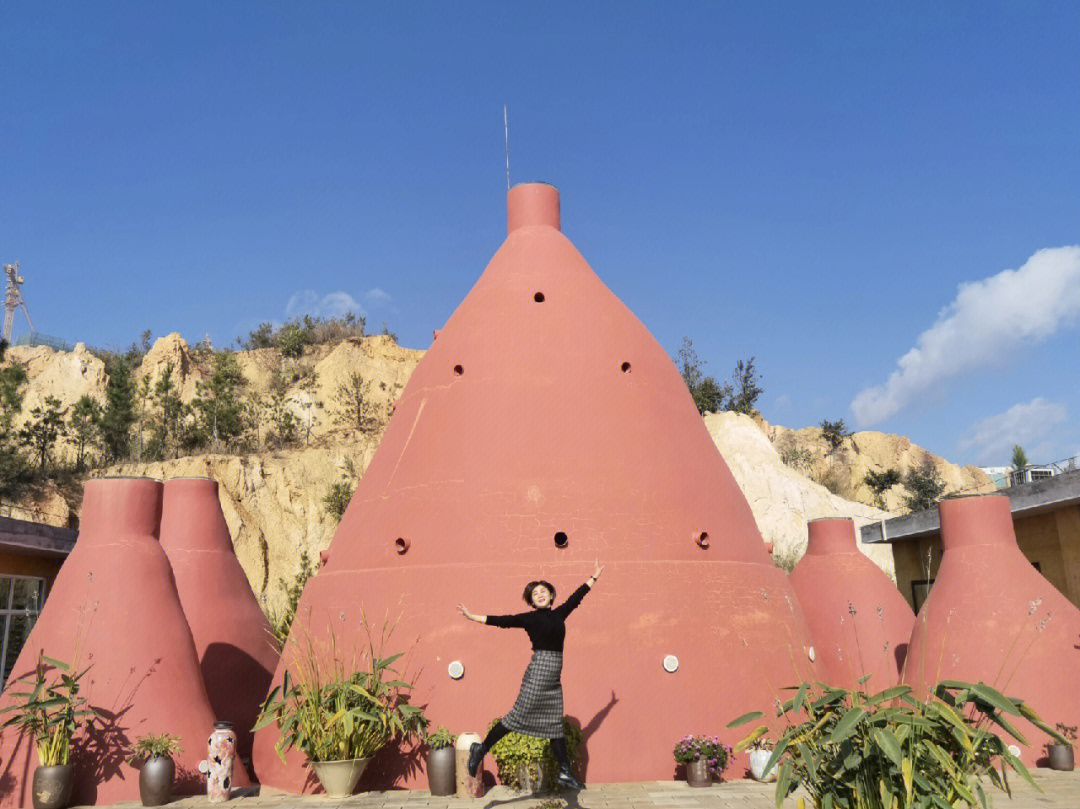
13, 299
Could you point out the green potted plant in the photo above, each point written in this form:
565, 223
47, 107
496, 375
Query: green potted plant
441, 764
895, 749
760, 752
1059, 753
705, 757
340, 714
50, 712
526, 763
158, 770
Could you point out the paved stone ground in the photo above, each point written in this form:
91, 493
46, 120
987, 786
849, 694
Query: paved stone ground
1059, 791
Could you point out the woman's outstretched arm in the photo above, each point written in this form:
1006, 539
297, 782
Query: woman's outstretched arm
504, 621
480, 619
572, 603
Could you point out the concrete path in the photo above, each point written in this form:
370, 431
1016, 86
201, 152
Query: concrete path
1059, 791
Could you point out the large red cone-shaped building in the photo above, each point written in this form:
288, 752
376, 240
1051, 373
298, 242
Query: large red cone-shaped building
237, 652
115, 609
992, 617
859, 621
546, 429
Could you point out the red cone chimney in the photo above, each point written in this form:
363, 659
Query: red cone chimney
236, 648
546, 429
115, 604
991, 616
859, 620
531, 205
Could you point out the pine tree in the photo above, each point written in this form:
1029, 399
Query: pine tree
924, 487
85, 424
44, 429
12, 463
834, 433
119, 412
355, 406
708, 395
746, 388
218, 405
166, 423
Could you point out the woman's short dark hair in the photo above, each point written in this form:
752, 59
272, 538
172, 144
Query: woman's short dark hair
532, 586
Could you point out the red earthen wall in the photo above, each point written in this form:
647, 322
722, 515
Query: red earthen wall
545, 406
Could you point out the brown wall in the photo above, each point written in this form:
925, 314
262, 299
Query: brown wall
17, 564
1052, 540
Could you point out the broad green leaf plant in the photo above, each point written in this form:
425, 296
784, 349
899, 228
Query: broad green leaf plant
50, 710
516, 753
333, 711
891, 750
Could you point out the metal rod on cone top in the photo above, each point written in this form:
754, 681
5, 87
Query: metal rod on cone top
506, 134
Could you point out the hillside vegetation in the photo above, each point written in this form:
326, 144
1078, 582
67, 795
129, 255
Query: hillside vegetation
288, 425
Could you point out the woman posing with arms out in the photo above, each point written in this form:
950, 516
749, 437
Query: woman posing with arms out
538, 710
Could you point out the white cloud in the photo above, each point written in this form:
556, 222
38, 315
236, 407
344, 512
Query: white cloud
994, 436
336, 304
377, 297
987, 321
782, 402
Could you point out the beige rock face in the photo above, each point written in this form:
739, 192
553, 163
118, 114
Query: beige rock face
382, 364
272, 504
42, 503
172, 349
67, 375
877, 452
782, 499
273, 500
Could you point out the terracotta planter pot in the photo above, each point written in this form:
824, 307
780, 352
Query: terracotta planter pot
532, 778
697, 773
442, 772
156, 781
1061, 757
52, 786
338, 778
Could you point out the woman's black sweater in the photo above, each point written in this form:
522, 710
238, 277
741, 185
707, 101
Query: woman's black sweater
546, 627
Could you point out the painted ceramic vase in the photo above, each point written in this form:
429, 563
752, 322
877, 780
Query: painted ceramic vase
218, 766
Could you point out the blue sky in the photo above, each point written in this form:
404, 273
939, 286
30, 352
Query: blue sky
809, 185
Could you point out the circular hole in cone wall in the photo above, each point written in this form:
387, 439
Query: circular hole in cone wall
458, 370
401, 545
702, 539
539, 297
561, 539
625, 367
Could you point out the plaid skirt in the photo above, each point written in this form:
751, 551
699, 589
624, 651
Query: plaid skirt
538, 710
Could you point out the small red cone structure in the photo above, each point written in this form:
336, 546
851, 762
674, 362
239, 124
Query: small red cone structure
858, 619
236, 648
114, 607
992, 617
546, 429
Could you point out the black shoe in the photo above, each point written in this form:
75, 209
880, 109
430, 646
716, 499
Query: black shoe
475, 757
566, 778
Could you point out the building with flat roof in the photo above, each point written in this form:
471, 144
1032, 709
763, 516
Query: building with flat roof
30, 558
1046, 518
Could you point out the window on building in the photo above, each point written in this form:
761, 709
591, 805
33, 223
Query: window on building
21, 598
1041, 474
920, 589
